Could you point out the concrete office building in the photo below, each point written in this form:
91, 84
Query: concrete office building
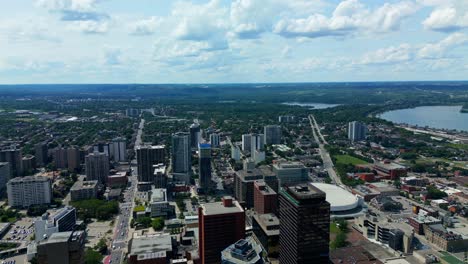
398, 236
235, 153
97, 167
4, 175
151, 248
63, 248
244, 251
29, 190
14, 157
257, 142
286, 119
220, 224
357, 131
272, 134
246, 142
204, 165
118, 150
265, 198
159, 204
304, 225
41, 153
181, 154
60, 158
102, 147
215, 140
244, 186
29, 164
84, 190
147, 157
73, 159
195, 135
290, 173
160, 176
266, 230
61, 221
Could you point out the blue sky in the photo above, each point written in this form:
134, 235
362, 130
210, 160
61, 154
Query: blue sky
163, 41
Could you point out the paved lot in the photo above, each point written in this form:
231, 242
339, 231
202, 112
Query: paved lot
19, 259
98, 230
20, 231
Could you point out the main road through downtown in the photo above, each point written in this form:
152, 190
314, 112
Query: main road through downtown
119, 242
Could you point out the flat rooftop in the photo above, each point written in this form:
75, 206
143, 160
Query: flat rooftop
390, 166
84, 185
264, 188
304, 191
269, 223
151, 147
148, 244
254, 174
218, 208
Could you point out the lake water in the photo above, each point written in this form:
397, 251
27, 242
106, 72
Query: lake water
312, 105
442, 117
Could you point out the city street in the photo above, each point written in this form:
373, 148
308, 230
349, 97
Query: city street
327, 161
119, 242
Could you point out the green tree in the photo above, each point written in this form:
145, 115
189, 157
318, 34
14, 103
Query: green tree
101, 246
340, 241
93, 257
158, 224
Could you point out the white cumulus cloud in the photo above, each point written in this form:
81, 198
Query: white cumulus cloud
145, 26
350, 16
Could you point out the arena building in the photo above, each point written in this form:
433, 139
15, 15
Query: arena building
343, 204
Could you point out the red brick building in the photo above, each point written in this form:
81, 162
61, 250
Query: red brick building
366, 176
220, 225
390, 171
118, 180
265, 198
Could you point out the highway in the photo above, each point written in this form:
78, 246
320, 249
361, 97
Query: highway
121, 232
327, 161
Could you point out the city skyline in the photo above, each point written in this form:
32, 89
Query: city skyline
217, 41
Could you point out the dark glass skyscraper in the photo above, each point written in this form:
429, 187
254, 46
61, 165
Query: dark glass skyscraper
304, 225
147, 157
195, 135
180, 154
204, 163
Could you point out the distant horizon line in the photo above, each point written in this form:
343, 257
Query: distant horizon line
235, 83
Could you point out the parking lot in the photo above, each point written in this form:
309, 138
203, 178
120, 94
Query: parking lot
98, 230
22, 230
20, 259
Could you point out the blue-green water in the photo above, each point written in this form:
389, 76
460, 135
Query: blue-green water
441, 117
312, 105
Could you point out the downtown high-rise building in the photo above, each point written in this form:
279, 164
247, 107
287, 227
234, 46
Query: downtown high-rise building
214, 140
204, 165
73, 158
60, 158
14, 157
5, 175
246, 142
181, 156
257, 142
304, 225
29, 190
97, 167
357, 131
272, 134
195, 135
147, 157
220, 225
41, 153
118, 149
